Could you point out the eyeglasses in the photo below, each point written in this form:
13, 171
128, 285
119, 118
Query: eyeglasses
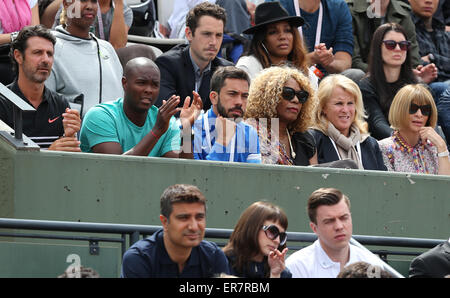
425, 109
392, 44
272, 233
289, 93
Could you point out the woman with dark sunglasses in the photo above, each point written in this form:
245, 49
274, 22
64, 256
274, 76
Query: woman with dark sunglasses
340, 131
280, 105
415, 146
390, 68
257, 246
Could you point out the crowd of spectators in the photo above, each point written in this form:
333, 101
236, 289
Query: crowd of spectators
317, 81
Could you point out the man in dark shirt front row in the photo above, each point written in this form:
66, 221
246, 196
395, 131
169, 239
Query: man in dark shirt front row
178, 250
53, 124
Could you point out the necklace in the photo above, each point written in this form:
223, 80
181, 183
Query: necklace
290, 144
416, 152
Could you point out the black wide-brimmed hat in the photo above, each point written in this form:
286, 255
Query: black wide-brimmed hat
272, 12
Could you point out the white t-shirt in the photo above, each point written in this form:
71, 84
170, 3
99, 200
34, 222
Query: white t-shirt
253, 67
313, 262
32, 4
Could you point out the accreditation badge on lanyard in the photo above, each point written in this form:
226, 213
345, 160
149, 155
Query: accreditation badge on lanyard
313, 68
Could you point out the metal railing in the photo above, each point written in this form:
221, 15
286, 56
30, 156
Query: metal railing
134, 233
17, 138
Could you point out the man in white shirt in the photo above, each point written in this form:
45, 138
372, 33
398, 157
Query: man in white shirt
331, 220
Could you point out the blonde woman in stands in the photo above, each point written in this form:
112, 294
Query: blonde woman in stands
339, 130
280, 106
415, 146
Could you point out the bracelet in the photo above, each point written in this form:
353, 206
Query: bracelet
443, 154
153, 134
13, 35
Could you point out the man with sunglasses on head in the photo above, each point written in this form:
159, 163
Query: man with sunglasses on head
178, 249
331, 220
220, 134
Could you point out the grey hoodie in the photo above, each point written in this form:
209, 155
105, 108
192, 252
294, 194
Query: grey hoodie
76, 70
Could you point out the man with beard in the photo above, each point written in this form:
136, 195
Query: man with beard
178, 250
132, 125
53, 125
220, 134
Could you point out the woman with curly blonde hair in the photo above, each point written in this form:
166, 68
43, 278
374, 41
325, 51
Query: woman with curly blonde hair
280, 105
339, 130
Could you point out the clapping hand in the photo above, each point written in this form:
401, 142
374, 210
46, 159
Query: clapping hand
189, 112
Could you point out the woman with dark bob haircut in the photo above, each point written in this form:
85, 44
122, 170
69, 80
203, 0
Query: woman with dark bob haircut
257, 246
415, 146
390, 69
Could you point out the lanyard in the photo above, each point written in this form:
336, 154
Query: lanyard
319, 22
208, 137
100, 22
358, 149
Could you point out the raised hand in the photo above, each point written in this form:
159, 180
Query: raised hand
190, 112
276, 262
165, 112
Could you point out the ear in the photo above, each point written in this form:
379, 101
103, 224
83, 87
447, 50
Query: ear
18, 57
214, 97
124, 83
164, 220
188, 33
313, 227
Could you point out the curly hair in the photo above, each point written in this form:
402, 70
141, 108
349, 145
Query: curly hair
265, 94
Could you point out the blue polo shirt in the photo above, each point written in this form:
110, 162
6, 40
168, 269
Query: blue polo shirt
148, 258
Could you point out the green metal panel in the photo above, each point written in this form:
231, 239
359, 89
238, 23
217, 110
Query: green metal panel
116, 189
46, 260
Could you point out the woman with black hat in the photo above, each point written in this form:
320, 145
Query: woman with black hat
275, 41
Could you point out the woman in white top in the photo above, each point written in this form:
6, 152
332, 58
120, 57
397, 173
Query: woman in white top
275, 41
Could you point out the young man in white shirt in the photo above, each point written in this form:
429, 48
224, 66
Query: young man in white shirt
331, 220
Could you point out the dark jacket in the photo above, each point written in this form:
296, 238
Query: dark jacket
434, 263
370, 151
177, 76
436, 42
364, 27
44, 125
377, 119
254, 269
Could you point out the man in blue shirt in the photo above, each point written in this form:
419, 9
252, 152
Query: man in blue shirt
220, 134
133, 125
178, 250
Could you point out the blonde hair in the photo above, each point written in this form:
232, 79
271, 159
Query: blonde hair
265, 94
63, 17
413, 93
326, 88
